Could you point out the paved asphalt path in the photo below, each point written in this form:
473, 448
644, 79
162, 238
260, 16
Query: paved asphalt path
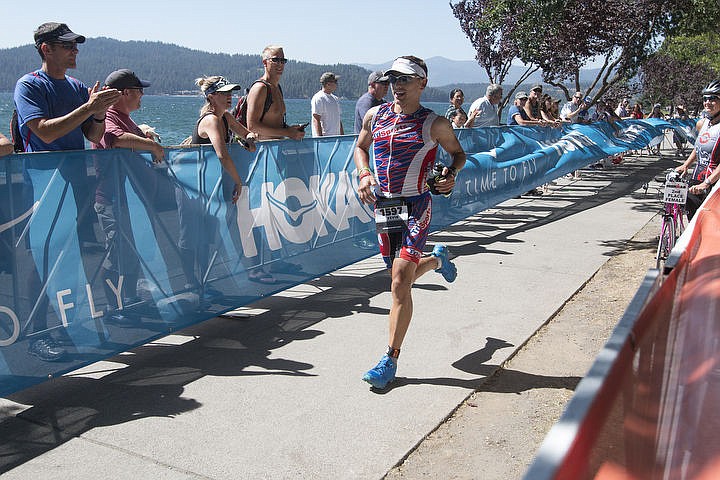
275, 393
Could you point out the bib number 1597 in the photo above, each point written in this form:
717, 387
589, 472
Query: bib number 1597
391, 217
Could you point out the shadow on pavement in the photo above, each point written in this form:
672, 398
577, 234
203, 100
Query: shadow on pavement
151, 381
491, 378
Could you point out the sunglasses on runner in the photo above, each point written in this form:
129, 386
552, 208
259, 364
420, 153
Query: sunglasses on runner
401, 79
278, 60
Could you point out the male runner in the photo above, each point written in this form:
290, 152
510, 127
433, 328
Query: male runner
404, 136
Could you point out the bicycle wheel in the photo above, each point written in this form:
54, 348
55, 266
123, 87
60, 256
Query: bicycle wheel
666, 242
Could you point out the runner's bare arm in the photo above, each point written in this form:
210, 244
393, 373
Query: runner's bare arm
361, 155
443, 133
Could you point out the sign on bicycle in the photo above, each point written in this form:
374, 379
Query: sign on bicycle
675, 192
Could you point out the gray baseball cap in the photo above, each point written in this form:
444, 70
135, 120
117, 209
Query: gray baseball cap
377, 77
125, 78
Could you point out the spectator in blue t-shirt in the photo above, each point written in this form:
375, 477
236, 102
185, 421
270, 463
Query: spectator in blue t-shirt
58, 112
517, 114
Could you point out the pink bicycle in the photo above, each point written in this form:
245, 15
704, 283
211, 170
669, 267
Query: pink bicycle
673, 214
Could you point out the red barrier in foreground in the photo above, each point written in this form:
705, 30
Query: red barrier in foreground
648, 408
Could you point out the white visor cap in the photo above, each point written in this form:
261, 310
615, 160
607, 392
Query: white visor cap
403, 66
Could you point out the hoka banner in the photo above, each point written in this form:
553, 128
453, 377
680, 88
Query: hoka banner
91, 268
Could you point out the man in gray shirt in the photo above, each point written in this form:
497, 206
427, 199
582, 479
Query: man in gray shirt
377, 89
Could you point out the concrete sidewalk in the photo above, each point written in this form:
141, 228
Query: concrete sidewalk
277, 394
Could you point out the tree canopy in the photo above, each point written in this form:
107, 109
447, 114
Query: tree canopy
677, 73
562, 36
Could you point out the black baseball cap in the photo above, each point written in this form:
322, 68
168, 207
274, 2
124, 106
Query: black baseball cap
125, 78
56, 32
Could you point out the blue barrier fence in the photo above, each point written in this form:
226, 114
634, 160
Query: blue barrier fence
180, 252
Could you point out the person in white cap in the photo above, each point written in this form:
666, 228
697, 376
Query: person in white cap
404, 136
377, 89
325, 108
214, 127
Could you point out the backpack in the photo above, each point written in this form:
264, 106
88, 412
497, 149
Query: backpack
18, 145
16, 136
240, 109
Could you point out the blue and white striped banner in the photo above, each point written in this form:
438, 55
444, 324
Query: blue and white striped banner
182, 252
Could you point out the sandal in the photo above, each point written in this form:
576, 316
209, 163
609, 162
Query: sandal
261, 276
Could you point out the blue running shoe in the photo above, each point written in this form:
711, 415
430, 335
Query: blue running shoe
447, 268
382, 374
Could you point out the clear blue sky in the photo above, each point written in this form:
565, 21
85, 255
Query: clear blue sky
322, 32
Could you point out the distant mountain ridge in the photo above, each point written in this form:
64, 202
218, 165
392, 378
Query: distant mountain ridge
444, 72
172, 69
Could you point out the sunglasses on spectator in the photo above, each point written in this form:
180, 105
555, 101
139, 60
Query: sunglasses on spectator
710, 98
65, 45
401, 79
278, 60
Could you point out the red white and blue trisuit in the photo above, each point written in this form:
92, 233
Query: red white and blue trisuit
404, 154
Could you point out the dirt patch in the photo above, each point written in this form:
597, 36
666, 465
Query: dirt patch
497, 431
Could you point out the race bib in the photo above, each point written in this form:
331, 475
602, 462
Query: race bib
391, 215
675, 192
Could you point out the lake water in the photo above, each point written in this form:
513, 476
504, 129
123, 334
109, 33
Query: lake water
174, 117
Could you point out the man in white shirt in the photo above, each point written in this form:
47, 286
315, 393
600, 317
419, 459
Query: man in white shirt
484, 111
326, 108
575, 110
